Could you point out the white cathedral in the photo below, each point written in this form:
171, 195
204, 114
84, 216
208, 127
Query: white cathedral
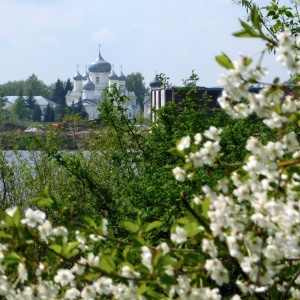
89, 88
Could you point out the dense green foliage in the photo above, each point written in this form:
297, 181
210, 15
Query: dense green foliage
36, 113
135, 83
32, 83
275, 17
20, 108
118, 225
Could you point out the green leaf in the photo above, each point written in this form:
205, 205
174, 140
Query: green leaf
242, 33
247, 61
132, 227
12, 260
193, 259
174, 151
278, 108
288, 14
9, 220
205, 207
128, 255
45, 199
91, 276
293, 118
248, 31
224, 61
168, 260
154, 295
25, 236
139, 241
153, 225
89, 222
296, 188
16, 217
192, 229
167, 280
6, 235
56, 248
142, 289
255, 18
70, 250
274, 293
107, 264
271, 13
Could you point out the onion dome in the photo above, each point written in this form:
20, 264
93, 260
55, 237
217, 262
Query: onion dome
77, 76
89, 86
122, 77
155, 82
113, 76
85, 76
100, 65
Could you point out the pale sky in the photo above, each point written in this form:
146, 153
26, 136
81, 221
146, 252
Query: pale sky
50, 37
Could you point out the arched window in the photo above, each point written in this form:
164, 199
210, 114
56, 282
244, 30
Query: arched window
97, 79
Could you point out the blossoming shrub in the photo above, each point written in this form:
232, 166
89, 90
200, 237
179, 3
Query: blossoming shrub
237, 238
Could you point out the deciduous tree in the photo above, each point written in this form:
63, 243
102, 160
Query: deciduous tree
135, 83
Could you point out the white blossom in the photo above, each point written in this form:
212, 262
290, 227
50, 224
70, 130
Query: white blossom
179, 174
4, 285
197, 138
11, 211
33, 217
64, 277
93, 260
180, 235
169, 270
209, 247
103, 286
129, 272
217, 272
104, 227
22, 271
184, 143
147, 258
47, 290
45, 230
79, 267
88, 292
164, 247
59, 231
72, 294
213, 133
290, 141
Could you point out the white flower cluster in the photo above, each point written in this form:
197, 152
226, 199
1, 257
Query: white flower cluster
64, 281
258, 219
185, 291
239, 102
288, 58
276, 215
206, 154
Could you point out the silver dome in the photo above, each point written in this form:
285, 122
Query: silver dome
100, 65
88, 86
77, 76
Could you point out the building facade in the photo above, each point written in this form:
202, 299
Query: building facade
161, 95
42, 102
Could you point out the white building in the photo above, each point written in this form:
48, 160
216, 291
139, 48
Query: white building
39, 100
89, 88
